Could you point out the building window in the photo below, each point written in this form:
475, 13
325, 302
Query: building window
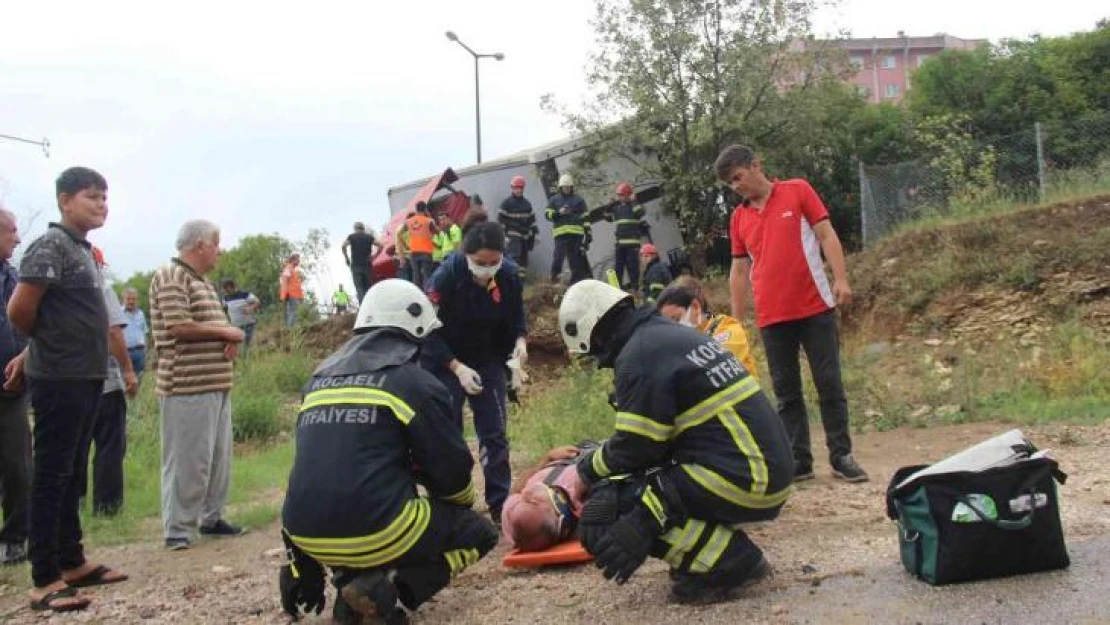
857, 63
921, 59
890, 91
863, 91
890, 61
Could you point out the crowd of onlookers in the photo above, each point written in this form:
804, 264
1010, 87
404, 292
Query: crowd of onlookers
73, 353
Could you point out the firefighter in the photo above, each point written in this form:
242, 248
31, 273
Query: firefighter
697, 449
481, 306
519, 221
567, 213
373, 425
656, 274
630, 227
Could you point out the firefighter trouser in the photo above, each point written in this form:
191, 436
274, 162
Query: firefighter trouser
627, 258
569, 247
518, 251
710, 542
455, 538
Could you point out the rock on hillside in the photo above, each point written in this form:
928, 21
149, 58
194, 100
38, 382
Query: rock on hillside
1008, 275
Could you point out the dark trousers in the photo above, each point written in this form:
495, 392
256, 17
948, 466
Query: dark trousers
65, 412
138, 358
569, 248
627, 257
456, 538
361, 278
421, 268
819, 337
518, 251
15, 467
490, 421
110, 438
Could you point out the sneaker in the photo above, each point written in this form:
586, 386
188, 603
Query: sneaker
803, 473
374, 597
716, 587
845, 468
12, 553
222, 528
178, 544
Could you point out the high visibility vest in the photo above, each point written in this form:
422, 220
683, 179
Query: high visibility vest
291, 286
419, 228
341, 298
446, 242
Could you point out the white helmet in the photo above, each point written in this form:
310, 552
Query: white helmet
566, 180
397, 304
584, 304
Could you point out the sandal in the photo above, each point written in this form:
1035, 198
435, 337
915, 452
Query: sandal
69, 592
97, 577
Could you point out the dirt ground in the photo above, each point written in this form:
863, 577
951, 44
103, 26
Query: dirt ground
834, 553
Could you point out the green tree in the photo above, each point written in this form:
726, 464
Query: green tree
675, 82
140, 281
255, 265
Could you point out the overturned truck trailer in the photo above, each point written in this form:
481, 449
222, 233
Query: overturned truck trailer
453, 190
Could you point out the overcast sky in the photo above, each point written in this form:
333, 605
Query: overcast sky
268, 119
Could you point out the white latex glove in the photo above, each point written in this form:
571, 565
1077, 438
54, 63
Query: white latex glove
469, 379
517, 376
520, 351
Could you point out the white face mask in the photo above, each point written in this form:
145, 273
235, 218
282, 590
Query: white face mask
689, 319
480, 272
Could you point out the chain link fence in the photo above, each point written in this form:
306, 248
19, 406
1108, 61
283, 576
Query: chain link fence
1043, 163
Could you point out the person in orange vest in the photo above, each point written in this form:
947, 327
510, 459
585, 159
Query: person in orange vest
421, 231
292, 289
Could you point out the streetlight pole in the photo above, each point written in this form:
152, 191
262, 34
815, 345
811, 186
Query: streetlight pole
44, 144
477, 98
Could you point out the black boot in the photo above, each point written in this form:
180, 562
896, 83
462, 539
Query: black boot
372, 596
715, 586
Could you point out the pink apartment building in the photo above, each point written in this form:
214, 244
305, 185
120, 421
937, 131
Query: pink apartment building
883, 64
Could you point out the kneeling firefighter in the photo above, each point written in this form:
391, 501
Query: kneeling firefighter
698, 449
373, 425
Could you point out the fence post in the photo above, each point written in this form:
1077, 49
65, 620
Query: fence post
1038, 132
862, 204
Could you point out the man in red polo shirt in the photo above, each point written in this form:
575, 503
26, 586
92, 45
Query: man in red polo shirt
778, 234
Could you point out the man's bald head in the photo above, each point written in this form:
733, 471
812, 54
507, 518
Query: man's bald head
9, 234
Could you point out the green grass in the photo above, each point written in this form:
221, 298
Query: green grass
1062, 379
573, 408
263, 412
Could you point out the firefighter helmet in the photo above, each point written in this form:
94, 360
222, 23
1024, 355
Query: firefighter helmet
624, 188
517, 182
566, 180
397, 304
584, 304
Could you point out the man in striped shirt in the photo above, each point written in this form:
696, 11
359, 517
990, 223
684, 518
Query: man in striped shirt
195, 347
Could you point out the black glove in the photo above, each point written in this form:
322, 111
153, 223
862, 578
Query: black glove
301, 582
586, 241
618, 529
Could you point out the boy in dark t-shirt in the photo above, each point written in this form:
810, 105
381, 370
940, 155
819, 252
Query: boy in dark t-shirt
59, 305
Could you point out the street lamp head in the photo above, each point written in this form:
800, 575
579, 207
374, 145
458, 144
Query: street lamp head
452, 36
499, 56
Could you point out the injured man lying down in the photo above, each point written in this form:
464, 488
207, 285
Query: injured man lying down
546, 502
